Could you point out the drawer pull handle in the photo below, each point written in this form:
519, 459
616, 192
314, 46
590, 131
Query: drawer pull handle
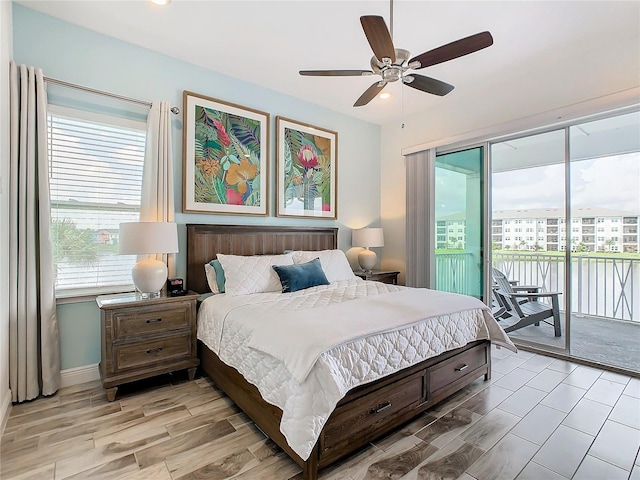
157, 320
154, 351
463, 367
381, 408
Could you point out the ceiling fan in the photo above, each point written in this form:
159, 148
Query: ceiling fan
393, 64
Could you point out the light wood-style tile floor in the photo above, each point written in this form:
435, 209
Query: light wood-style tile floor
538, 418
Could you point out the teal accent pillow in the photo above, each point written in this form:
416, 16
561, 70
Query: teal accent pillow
220, 278
300, 276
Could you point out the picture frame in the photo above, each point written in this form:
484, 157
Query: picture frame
306, 170
225, 157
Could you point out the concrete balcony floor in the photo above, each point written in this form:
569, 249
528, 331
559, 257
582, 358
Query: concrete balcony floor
607, 341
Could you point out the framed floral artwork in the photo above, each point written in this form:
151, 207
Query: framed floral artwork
225, 157
306, 170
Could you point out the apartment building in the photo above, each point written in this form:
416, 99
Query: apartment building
591, 229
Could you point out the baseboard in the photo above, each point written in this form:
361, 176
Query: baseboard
5, 410
77, 375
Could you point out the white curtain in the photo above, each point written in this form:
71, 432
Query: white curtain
419, 219
157, 177
34, 344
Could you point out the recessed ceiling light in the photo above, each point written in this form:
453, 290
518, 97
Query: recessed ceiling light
385, 95
161, 2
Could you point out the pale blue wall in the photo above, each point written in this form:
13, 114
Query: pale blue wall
77, 55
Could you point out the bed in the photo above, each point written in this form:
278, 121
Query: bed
365, 412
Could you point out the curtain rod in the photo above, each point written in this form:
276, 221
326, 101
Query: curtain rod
174, 110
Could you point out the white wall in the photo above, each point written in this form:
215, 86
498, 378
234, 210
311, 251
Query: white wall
5, 56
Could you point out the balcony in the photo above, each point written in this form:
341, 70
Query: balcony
605, 315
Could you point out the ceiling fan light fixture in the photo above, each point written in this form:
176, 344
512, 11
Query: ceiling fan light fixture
160, 2
384, 95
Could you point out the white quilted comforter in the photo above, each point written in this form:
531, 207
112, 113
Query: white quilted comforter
226, 325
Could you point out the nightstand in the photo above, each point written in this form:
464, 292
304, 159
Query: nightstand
142, 338
384, 276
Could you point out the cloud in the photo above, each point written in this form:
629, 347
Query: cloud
608, 182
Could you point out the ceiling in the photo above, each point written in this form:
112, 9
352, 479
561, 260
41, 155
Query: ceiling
538, 45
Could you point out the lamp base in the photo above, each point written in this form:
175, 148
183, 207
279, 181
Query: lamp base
147, 295
149, 276
367, 260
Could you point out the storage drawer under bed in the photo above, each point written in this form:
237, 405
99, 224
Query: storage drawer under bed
448, 372
365, 415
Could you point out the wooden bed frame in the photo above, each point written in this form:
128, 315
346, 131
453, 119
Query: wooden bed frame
366, 412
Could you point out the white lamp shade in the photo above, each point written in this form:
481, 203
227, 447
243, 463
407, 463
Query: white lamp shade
138, 238
367, 237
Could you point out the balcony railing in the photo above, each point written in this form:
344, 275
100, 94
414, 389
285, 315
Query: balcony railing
602, 286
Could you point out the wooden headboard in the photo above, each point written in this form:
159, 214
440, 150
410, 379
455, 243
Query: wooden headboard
205, 241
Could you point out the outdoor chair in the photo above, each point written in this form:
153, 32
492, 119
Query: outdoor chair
498, 309
522, 302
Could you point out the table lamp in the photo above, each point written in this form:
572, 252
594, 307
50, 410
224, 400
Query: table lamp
367, 237
140, 238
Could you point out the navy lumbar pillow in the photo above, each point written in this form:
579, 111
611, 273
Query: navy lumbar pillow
300, 276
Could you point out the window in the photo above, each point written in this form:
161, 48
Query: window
95, 177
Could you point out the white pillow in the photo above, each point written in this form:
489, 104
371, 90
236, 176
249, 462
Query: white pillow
252, 274
334, 263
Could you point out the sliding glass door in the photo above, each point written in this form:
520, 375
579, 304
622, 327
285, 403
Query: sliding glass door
528, 185
565, 220
605, 263
459, 190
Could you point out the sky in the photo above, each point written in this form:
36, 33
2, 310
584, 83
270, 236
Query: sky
608, 182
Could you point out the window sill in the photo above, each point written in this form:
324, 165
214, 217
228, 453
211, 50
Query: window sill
89, 294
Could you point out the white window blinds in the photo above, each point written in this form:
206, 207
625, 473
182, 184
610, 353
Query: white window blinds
95, 179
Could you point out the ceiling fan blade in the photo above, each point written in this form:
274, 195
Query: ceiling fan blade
378, 36
370, 94
336, 73
452, 50
427, 84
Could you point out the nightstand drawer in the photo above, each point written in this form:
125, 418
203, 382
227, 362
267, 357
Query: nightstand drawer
140, 354
133, 322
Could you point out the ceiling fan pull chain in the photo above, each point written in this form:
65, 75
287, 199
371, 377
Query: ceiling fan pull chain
401, 107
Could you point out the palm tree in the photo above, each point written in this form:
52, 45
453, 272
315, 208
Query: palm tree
71, 244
